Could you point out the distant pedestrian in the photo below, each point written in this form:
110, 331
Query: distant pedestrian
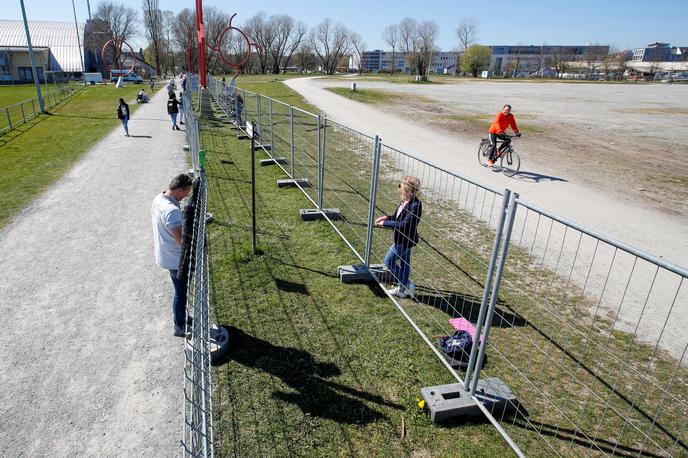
152, 85
123, 115
168, 221
170, 87
183, 83
173, 109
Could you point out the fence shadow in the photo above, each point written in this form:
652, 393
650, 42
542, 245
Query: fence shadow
300, 371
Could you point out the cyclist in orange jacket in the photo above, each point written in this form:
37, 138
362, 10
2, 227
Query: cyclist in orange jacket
502, 121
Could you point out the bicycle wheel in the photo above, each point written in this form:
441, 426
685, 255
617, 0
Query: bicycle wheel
483, 152
509, 163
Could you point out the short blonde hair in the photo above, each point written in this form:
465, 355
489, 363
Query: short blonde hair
411, 186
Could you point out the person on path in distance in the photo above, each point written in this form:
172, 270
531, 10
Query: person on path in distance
181, 112
502, 121
404, 221
123, 115
167, 240
170, 87
152, 85
173, 109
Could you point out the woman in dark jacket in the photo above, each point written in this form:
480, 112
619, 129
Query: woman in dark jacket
404, 221
172, 109
123, 115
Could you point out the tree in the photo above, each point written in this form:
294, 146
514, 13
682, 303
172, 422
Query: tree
427, 33
294, 43
153, 22
304, 56
168, 31
330, 43
119, 23
391, 37
214, 23
467, 32
262, 33
475, 59
359, 48
184, 34
594, 56
562, 60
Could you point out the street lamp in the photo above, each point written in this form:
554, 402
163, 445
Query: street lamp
33, 62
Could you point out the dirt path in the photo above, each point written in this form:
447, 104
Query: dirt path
89, 363
625, 219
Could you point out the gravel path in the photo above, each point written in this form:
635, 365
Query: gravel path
89, 363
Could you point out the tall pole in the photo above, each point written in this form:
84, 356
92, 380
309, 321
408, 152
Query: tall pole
33, 62
88, 5
78, 40
201, 42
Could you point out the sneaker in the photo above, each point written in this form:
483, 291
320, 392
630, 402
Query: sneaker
411, 288
181, 123
490, 163
179, 331
398, 292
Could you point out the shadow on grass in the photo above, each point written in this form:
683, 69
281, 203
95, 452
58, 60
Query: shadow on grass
301, 372
579, 437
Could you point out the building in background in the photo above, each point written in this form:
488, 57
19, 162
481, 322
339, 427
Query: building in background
55, 45
660, 52
508, 60
379, 60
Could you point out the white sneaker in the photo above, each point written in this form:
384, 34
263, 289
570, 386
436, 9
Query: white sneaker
411, 288
398, 292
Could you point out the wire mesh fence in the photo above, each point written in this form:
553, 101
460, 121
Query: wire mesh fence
197, 437
585, 331
15, 115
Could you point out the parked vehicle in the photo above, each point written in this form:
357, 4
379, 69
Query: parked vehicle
129, 77
93, 78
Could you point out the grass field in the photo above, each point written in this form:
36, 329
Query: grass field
317, 368
38, 153
288, 302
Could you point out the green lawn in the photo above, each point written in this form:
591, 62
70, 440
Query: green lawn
10, 95
349, 346
316, 367
38, 153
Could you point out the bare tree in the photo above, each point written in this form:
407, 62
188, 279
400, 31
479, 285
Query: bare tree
284, 31
330, 43
359, 48
261, 32
467, 32
184, 34
594, 56
168, 32
119, 22
214, 23
294, 42
562, 61
153, 22
427, 33
408, 42
391, 37
305, 58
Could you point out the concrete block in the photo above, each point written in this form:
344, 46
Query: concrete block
290, 183
267, 147
347, 274
273, 161
313, 214
450, 401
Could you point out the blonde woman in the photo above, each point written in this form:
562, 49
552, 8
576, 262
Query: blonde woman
404, 221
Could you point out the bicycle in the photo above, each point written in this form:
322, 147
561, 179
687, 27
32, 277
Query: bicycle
509, 160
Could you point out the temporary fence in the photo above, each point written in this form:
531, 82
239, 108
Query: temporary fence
585, 331
197, 437
13, 116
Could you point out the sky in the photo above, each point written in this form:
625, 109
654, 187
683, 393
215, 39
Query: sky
622, 24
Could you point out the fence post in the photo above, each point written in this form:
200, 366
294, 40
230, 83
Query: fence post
33, 107
321, 164
9, 118
486, 290
21, 105
291, 144
495, 290
272, 136
373, 198
260, 130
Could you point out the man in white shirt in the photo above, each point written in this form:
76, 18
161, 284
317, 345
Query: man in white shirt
167, 239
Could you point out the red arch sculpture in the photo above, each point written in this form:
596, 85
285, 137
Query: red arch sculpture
118, 54
249, 45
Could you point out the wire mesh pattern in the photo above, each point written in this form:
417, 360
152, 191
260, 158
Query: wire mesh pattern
197, 437
20, 113
584, 330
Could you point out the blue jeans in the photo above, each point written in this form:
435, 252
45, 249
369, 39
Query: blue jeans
179, 300
398, 261
125, 124
174, 118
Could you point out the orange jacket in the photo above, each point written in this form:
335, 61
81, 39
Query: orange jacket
501, 122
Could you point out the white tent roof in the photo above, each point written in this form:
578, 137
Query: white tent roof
60, 37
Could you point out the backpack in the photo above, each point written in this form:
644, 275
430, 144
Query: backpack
172, 106
458, 345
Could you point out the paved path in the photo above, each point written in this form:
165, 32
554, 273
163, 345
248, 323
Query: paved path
89, 364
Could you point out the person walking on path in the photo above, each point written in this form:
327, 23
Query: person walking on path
152, 85
123, 115
404, 221
168, 221
170, 87
173, 109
